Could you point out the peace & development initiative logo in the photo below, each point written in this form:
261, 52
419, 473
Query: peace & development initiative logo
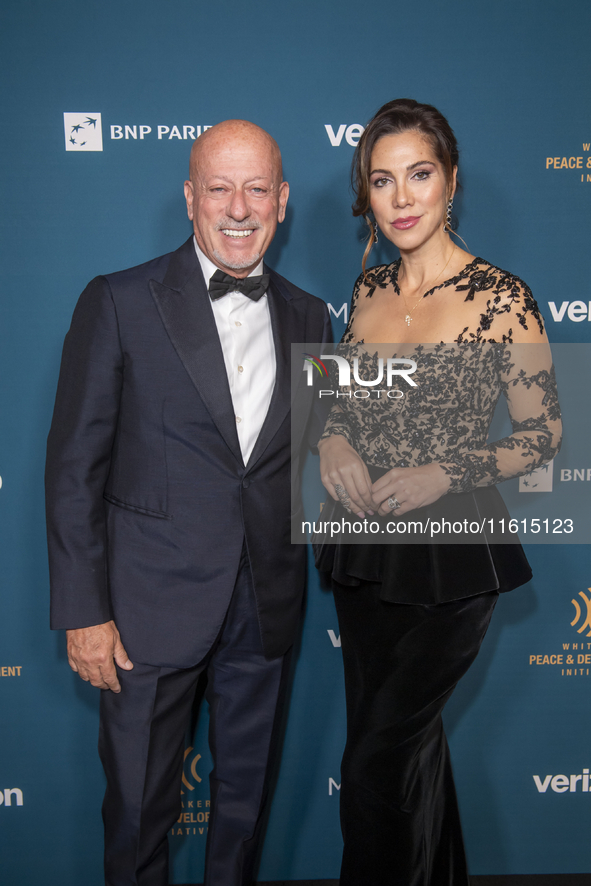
11, 670
581, 614
194, 818
83, 132
581, 163
574, 660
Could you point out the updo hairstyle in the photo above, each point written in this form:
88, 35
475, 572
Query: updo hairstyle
393, 118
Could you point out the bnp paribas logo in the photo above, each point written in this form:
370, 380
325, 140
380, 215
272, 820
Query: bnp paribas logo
539, 480
83, 132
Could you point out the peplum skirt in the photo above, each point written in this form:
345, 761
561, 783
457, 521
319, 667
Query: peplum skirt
434, 572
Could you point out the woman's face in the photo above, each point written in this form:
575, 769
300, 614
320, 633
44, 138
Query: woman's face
408, 190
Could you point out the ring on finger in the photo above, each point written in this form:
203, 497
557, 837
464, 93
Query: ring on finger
342, 495
393, 503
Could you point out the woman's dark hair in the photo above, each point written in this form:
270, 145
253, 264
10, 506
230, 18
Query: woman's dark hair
393, 118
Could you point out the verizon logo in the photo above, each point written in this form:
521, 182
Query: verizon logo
574, 310
351, 132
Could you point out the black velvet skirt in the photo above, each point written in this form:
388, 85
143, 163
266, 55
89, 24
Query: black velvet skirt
399, 813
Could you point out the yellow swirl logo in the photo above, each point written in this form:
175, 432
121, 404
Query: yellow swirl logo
585, 614
190, 770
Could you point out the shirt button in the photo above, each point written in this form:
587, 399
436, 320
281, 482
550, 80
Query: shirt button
241, 369
238, 419
237, 323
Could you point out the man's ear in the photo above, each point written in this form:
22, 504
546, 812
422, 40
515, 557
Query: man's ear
188, 187
283, 197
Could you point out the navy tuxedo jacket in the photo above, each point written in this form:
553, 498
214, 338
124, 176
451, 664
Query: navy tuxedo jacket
148, 499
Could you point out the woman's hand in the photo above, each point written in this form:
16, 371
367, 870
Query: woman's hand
411, 487
344, 475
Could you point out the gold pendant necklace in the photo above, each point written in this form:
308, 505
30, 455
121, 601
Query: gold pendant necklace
409, 313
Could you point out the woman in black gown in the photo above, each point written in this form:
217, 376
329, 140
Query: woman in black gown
412, 616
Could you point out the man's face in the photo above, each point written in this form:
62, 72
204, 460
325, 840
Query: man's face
235, 197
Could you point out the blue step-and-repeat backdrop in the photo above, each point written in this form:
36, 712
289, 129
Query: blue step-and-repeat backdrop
140, 80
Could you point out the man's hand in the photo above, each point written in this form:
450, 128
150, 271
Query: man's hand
344, 475
411, 487
92, 653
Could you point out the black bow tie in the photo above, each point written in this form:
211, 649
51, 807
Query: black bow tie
253, 287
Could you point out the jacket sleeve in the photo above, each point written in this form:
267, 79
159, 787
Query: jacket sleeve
78, 461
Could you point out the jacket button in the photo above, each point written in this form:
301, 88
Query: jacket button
245, 484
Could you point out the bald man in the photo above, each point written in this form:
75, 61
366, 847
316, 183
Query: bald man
168, 506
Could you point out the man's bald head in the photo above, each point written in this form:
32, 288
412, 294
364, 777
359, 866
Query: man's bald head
236, 195
231, 132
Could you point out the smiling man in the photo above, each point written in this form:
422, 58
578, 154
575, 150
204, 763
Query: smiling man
236, 194
168, 505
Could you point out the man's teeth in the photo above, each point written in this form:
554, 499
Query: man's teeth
230, 233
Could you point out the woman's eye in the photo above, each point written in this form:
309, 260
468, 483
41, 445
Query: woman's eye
380, 182
421, 175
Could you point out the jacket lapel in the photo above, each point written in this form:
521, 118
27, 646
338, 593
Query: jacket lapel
184, 306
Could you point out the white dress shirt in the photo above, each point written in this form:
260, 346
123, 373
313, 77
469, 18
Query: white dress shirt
246, 337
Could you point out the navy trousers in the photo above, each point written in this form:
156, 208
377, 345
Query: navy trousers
141, 745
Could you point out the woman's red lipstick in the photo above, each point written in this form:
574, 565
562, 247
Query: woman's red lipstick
401, 224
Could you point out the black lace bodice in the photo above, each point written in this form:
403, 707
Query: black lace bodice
447, 416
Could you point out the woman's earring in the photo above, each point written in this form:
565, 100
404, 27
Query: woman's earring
447, 225
375, 232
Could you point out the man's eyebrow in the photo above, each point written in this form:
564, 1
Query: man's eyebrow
224, 178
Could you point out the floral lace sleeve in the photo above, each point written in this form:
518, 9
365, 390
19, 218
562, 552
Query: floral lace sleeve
338, 423
527, 379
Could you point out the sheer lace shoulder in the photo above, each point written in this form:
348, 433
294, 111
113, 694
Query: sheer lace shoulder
500, 293
505, 302
365, 286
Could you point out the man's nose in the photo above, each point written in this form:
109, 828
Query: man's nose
238, 208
